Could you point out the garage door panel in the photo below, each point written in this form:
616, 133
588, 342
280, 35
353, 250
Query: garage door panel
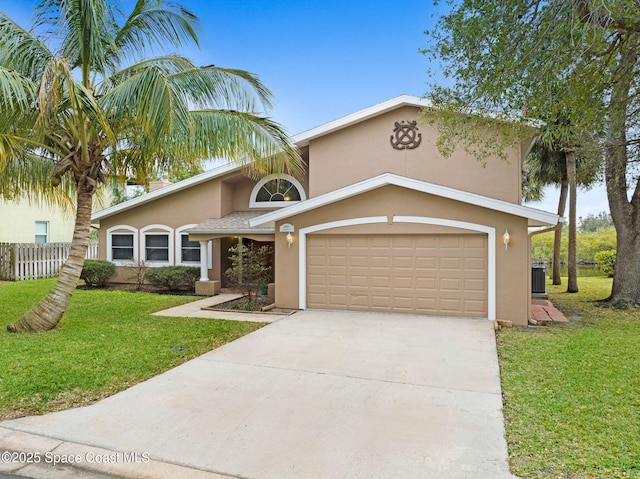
426, 274
479, 264
474, 307
402, 282
402, 262
478, 285
450, 284
428, 263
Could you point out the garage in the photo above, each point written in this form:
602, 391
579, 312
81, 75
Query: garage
444, 274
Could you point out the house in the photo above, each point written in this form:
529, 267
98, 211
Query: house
381, 221
23, 222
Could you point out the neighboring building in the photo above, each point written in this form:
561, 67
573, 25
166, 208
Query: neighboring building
22, 222
380, 222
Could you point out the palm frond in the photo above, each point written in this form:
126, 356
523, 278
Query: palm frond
26, 176
154, 24
167, 65
20, 50
256, 142
222, 89
16, 91
146, 100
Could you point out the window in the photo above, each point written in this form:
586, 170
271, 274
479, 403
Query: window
276, 191
156, 247
122, 246
42, 232
189, 250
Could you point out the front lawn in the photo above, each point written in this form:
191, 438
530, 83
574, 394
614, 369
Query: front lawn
572, 393
106, 342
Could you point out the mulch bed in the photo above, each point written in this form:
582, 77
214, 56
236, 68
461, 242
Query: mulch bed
243, 305
133, 288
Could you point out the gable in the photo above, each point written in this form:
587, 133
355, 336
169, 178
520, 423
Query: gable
534, 217
366, 149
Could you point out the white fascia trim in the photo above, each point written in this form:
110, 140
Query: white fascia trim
302, 248
275, 204
167, 190
535, 217
302, 139
159, 230
122, 229
491, 246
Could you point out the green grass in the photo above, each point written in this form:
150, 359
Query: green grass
106, 342
572, 393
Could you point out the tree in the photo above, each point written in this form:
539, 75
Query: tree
548, 163
539, 59
592, 223
89, 104
250, 269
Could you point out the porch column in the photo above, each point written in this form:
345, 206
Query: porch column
204, 261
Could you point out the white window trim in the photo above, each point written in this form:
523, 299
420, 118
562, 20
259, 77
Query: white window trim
47, 232
275, 204
122, 229
147, 230
491, 246
179, 233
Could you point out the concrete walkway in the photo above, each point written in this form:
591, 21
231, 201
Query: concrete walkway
318, 394
194, 310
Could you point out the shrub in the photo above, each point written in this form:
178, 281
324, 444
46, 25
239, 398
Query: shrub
173, 278
250, 269
97, 273
606, 261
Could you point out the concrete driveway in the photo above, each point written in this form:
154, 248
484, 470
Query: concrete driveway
320, 394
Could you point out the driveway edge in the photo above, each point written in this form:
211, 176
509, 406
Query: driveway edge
34, 456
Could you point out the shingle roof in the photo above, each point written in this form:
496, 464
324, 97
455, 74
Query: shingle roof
233, 224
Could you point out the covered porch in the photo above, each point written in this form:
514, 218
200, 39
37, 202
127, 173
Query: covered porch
215, 236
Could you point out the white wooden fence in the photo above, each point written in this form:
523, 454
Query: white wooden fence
21, 261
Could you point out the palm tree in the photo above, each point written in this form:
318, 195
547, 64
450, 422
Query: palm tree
551, 163
547, 166
88, 105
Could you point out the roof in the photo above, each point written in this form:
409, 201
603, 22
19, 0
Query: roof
535, 217
236, 223
167, 190
303, 139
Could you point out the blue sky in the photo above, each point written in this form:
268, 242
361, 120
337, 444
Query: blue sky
322, 59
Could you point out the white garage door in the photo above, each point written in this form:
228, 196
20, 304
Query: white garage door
427, 274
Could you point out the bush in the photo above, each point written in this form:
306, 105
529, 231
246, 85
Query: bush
173, 278
250, 269
97, 273
606, 261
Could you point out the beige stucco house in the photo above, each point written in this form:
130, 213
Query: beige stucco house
381, 221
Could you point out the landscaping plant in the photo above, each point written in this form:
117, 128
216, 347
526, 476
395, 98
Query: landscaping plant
174, 278
97, 273
251, 268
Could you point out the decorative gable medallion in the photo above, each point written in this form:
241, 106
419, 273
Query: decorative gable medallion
406, 136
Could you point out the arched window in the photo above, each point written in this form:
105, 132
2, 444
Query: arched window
276, 191
156, 246
122, 244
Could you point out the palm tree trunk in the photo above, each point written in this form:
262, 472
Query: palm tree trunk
45, 315
557, 237
572, 280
